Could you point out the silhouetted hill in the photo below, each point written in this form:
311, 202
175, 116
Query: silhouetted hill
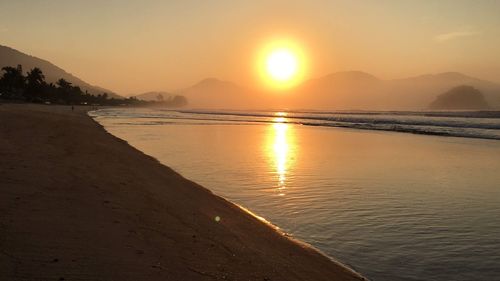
360, 90
440, 77
423, 89
12, 57
445, 78
344, 77
213, 84
347, 89
340, 90
460, 98
215, 93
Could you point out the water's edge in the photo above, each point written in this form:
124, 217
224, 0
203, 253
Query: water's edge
276, 228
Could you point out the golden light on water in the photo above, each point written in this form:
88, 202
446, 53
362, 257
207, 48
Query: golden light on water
281, 150
279, 120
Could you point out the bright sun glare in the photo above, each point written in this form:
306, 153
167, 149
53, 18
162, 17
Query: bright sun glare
281, 64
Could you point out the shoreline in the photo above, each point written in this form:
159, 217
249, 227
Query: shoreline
81, 205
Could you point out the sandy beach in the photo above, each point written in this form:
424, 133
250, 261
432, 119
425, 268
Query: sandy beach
80, 204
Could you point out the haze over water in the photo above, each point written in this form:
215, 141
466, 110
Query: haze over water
394, 206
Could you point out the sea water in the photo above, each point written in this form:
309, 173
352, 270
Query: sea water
394, 195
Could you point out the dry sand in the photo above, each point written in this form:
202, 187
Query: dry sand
79, 204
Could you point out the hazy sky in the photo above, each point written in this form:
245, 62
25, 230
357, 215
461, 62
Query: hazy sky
136, 46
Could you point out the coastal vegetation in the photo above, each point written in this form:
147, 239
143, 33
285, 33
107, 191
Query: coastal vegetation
32, 87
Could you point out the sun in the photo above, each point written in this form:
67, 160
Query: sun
281, 64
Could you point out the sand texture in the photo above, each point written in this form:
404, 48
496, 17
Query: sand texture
80, 204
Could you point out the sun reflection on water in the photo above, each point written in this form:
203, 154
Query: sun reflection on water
281, 150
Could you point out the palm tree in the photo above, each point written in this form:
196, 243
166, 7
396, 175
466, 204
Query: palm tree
35, 77
35, 83
64, 90
12, 80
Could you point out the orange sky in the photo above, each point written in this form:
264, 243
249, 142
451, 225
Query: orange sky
137, 46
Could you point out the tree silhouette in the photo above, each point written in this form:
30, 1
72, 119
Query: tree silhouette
64, 90
33, 88
35, 77
63, 84
35, 83
13, 81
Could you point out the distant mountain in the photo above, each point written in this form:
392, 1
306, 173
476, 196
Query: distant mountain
460, 98
448, 77
153, 96
360, 90
340, 90
12, 57
343, 78
215, 93
213, 84
347, 89
424, 88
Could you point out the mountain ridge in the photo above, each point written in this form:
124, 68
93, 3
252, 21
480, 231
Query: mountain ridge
352, 89
12, 57
348, 89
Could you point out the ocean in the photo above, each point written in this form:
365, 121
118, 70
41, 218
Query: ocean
394, 195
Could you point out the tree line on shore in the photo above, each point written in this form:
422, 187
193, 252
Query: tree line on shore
32, 87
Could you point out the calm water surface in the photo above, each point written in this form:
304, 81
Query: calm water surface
394, 206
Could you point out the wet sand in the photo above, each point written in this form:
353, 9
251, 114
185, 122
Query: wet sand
80, 204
